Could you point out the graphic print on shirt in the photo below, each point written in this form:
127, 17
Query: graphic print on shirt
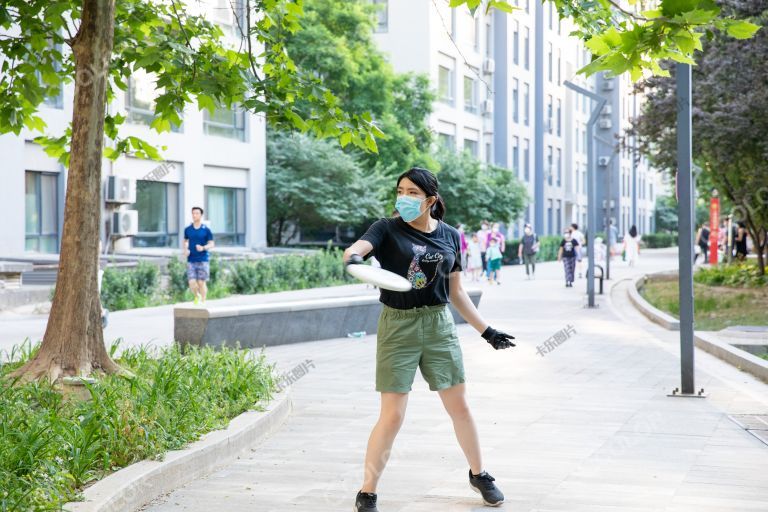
416, 275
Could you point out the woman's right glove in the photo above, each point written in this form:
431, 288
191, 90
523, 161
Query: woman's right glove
498, 339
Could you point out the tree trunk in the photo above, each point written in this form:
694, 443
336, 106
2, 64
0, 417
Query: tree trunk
73, 344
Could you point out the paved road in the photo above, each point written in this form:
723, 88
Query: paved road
587, 427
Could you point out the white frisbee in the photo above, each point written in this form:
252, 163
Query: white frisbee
379, 277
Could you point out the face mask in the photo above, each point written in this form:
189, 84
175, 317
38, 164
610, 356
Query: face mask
568, 236
409, 207
485, 228
527, 231
495, 229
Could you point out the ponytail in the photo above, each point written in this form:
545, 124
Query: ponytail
438, 209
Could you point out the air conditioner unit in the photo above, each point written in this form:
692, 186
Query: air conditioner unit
125, 222
603, 161
120, 190
604, 123
487, 107
608, 85
489, 66
606, 110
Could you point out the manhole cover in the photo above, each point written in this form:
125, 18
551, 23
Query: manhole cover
755, 424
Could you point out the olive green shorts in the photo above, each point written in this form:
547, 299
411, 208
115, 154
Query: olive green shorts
422, 337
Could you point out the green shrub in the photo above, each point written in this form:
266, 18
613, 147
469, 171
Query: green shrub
548, 246
659, 240
50, 447
736, 274
129, 288
292, 272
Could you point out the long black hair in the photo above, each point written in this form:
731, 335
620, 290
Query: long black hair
428, 183
633, 231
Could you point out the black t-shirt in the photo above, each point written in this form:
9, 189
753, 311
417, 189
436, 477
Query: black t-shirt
569, 247
425, 259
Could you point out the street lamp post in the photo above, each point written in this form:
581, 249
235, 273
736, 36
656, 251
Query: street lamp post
591, 187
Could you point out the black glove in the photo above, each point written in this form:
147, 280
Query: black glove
498, 339
354, 259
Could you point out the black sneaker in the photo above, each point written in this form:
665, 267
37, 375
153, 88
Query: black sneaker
365, 502
483, 484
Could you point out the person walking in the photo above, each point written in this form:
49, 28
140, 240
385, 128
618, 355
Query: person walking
632, 245
613, 235
482, 235
198, 240
702, 241
740, 242
494, 261
568, 252
474, 261
416, 328
526, 251
579, 237
464, 247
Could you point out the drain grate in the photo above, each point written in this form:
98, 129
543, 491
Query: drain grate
755, 424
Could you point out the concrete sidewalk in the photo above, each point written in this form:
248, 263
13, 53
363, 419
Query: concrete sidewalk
586, 427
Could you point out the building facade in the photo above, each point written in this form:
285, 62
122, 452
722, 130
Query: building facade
215, 161
500, 80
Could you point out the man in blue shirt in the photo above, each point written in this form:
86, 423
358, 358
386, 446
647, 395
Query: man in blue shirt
198, 239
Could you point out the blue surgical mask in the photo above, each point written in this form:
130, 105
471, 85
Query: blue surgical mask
409, 207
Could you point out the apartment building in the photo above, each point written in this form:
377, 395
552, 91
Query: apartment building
216, 161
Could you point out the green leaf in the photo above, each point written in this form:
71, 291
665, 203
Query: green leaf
345, 139
741, 29
501, 6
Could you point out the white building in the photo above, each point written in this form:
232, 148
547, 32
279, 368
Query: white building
501, 95
215, 161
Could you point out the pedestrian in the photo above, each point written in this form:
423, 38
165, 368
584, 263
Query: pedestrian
702, 242
613, 235
567, 253
416, 328
740, 243
494, 261
579, 237
526, 251
474, 261
198, 240
632, 245
482, 235
464, 245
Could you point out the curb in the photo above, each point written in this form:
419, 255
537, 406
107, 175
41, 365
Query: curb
654, 314
136, 485
740, 359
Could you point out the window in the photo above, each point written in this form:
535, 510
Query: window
584, 182
515, 100
158, 206
559, 64
488, 39
382, 15
549, 113
225, 122
516, 156
470, 94
471, 146
526, 104
527, 47
488, 153
549, 165
559, 116
41, 212
551, 26
549, 61
140, 99
225, 208
527, 159
577, 174
549, 216
447, 141
576, 139
516, 43
558, 215
445, 84
559, 167
230, 13
55, 100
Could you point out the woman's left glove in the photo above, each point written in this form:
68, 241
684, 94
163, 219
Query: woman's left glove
498, 339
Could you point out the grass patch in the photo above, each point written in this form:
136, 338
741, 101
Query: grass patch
51, 447
715, 307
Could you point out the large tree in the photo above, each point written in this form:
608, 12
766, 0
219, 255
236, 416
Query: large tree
730, 121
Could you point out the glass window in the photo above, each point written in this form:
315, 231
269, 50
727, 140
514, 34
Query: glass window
41, 212
559, 116
447, 141
470, 94
516, 43
516, 156
140, 99
515, 100
55, 100
527, 48
558, 216
225, 122
471, 146
158, 206
526, 103
488, 39
549, 165
549, 62
559, 167
225, 209
549, 113
527, 159
382, 15
472, 30
445, 84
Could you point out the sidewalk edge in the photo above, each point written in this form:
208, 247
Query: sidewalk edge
654, 314
136, 485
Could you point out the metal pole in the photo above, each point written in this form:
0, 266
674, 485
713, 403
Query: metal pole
685, 223
591, 188
608, 211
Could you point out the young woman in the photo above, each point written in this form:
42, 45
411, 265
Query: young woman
632, 245
416, 328
568, 252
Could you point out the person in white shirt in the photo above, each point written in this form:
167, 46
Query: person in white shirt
579, 237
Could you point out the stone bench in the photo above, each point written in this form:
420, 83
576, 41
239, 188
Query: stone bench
10, 274
279, 323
